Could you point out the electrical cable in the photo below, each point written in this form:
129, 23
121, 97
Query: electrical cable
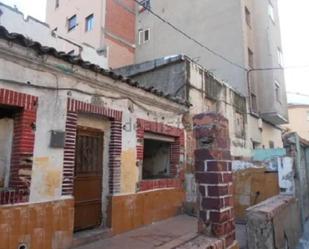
190, 37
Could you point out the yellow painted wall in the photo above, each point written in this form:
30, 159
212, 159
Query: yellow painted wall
246, 185
129, 171
298, 121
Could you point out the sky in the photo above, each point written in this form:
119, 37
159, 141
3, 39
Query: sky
294, 20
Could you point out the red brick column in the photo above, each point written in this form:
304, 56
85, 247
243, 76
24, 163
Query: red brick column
214, 178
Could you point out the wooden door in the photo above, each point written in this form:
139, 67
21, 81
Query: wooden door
88, 178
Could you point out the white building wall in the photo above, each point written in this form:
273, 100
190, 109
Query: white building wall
15, 21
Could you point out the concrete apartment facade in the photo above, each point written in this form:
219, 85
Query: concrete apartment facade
131, 34
245, 32
108, 26
299, 120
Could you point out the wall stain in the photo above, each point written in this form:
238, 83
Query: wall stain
129, 171
48, 177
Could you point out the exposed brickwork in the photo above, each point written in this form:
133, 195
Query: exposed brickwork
214, 178
177, 151
120, 29
160, 183
74, 107
23, 140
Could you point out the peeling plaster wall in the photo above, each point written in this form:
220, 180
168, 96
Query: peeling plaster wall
130, 171
6, 138
274, 223
52, 109
222, 103
252, 186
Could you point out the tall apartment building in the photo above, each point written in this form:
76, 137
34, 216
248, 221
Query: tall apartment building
245, 32
107, 25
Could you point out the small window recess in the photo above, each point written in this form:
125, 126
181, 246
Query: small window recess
271, 12
157, 156
146, 35
72, 22
89, 23
278, 91
248, 16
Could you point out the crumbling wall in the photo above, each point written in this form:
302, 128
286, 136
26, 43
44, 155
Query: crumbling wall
274, 223
252, 186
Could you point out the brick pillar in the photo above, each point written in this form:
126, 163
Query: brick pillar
213, 172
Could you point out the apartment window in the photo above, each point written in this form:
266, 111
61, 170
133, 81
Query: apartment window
280, 57
250, 58
89, 23
248, 16
156, 162
146, 35
253, 103
72, 22
57, 4
271, 12
143, 36
144, 4
277, 91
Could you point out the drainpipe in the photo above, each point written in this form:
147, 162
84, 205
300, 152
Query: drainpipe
68, 41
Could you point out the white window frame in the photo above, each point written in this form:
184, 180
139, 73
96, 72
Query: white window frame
89, 23
277, 91
140, 36
280, 56
271, 12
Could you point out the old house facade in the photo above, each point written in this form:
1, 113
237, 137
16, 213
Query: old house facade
79, 131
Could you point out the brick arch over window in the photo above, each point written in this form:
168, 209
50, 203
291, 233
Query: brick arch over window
74, 107
23, 144
177, 150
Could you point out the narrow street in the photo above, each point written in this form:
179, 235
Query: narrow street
164, 234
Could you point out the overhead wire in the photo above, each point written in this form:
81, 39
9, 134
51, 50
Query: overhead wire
212, 51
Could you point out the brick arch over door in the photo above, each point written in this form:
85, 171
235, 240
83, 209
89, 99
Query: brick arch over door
73, 108
23, 143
